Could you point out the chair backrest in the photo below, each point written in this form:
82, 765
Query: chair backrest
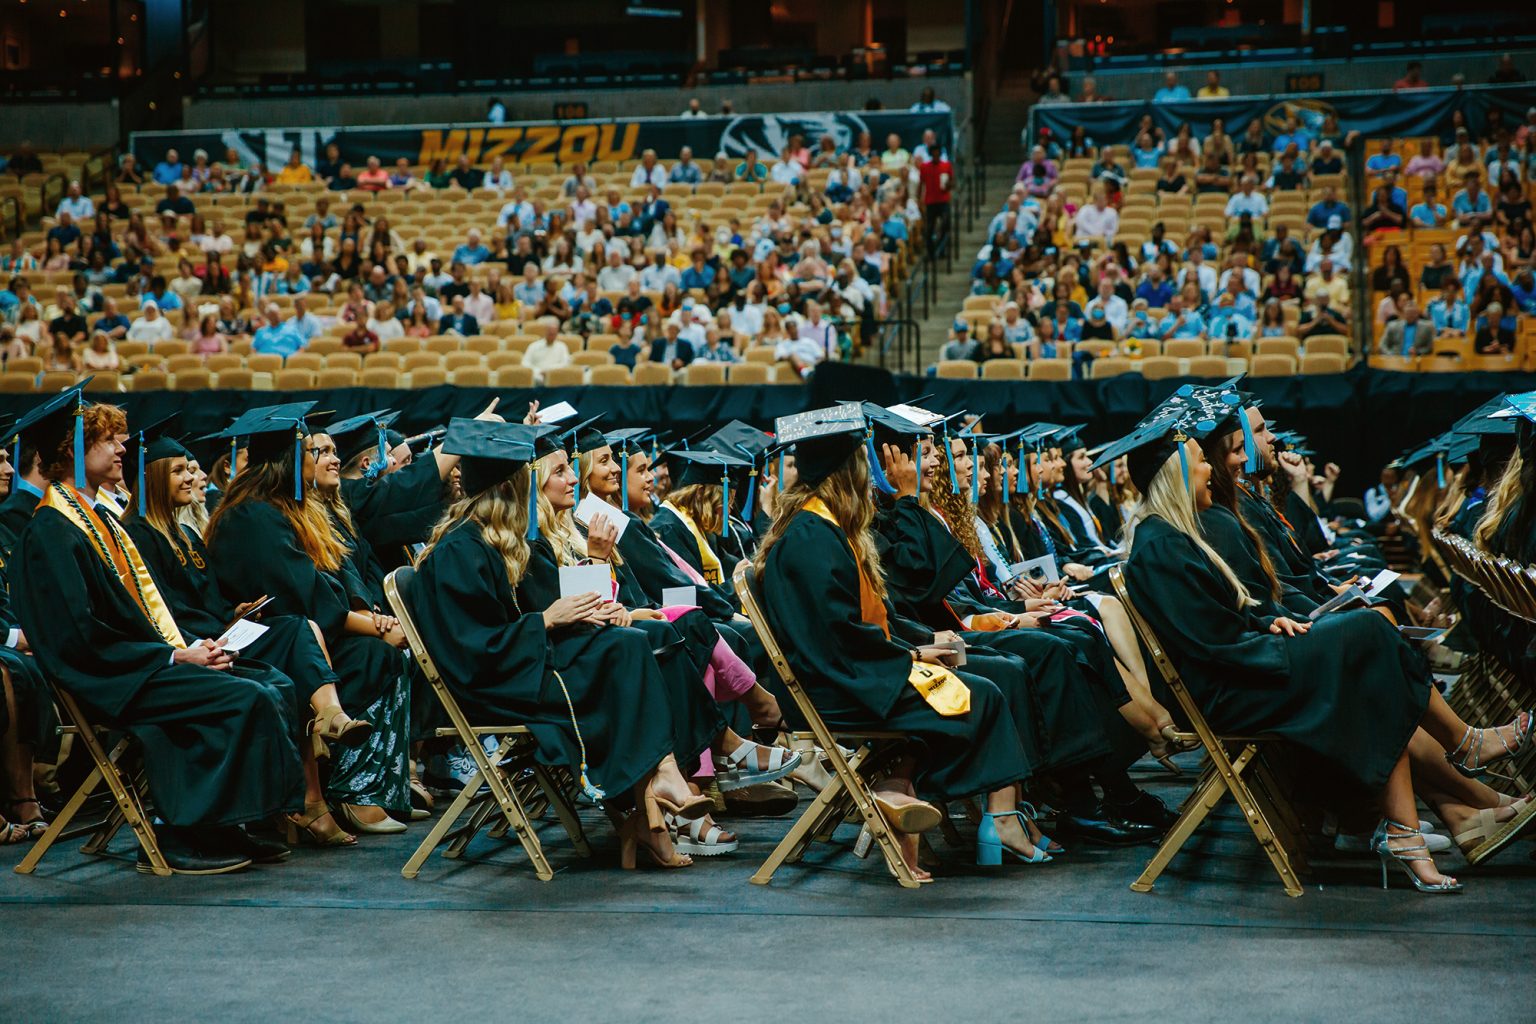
1322, 362
1278, 347
514, 377
302, 361
1050, 369
193, 379
380, 377
264, 362
146, 380
344, 361
428, 377
336, 377
750, 373
234, 378
957, 369
1159, 367
224, 361
591, 358
704, 373
1111, 366
565, 377
1002, 369
1184, 348
652, 373
105, 380
1274, 365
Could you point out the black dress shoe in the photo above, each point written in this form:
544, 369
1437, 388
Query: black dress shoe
237, 842
1145, 809
1105, 829
185, 860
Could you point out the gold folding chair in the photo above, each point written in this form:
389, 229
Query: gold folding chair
125, 783
1246, 777
498, 772
848, 790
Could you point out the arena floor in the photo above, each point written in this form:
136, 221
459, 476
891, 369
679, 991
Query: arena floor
342, 937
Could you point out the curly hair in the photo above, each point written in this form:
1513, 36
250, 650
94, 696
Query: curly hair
99, 422
958, 512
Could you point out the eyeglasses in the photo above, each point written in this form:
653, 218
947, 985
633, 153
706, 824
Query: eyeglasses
321, 452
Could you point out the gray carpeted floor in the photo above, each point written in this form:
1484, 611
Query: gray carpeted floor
341, 936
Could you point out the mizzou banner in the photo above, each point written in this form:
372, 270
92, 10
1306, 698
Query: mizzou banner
542, 142
1372, 114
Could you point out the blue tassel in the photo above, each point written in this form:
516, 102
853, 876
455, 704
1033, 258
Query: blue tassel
594, 794
376, 469
746, 505
1112, 469
949, 457
1440, 469
876, 471
298, 464
234, 456
1002, 467
143, 510
917, 460
16, 452
1184, 467
533, 503
80, 447
1250, 446
975, 473
781, 470
576, 464
624, 478
725, 504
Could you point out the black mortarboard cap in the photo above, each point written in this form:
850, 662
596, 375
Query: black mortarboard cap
821, 439
357, 435
584, 437
489, 452
893, 428
46, 425
739, 439
150, 444
1151, 445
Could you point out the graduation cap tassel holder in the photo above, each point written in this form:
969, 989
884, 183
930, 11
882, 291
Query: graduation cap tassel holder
876, 471
80, 445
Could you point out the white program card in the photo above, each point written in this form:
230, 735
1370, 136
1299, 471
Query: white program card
1381, 581
586, 579
557, 413
680, 597
242, 634
592, 505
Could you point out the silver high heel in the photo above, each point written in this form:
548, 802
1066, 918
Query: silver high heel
1471, 763
1403, 855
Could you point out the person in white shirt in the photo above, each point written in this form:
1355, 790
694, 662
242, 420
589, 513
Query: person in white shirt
615, 277
498, 177
583, 208
479, 305
384, 325
1114, 307
1248, 201
1252, 283
695, 109
1335, 245
547, 352
77, 205
928, 104
746, 317
151, 326
1097, 219
788, 170
649, 172
815, 329
691, 318
518, 209
1201, 272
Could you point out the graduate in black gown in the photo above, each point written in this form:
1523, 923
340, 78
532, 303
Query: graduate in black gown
272, 535
218, 735
823, 595
27, 485
182, 569
591, 691
1345, 690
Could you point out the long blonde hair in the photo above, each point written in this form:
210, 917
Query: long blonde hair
272, 482
1171, 501
559, 528
1510, 488
846, 495
159, 511
502, 512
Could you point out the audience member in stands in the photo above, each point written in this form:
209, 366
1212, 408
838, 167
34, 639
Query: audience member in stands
1320, 318
1449, 311
151, 326
1213, 89
1409, 334
1384, 213
1494, 331
1429, 212
1413, 78
1097, 220
547, 351
649, 172
1471, 205
1171, 91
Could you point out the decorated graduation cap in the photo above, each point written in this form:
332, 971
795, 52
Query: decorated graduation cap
1149, 447
702, 467
1523, 406
821, 439
900, 427
151, 444
46, 425
1485, 419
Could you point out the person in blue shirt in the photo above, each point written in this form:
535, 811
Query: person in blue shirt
1449, 312
162, 296
1294, 133
628, 349
1172, 91
685, 171
1523, 288
894, 231
699, 274
473, 250
1180, 323
168, 171
276, 338
1327, 207
1473, 208
1428, 212
1146, 152
1385, 160
1155, 289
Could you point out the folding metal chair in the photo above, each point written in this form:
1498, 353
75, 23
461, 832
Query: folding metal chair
1246, 777
124, 780
498, 773
847, 793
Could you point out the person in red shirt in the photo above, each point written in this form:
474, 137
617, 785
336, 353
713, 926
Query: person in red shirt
938, 178
375, 178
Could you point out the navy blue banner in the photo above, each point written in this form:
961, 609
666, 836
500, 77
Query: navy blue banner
560, 142
1417, 112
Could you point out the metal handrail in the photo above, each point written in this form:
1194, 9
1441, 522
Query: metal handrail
908, 336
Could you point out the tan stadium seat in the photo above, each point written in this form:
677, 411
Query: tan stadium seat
1184, 348
144, 380
514, 377
1272, 365
483, 344
422, 360
286, 380
462, 360
652, 374
224, 361
1323, 362
380, 377
1002, 369
337, 377
957, 369
472, 377
323, 346
194, 379
344, 361
565, 377
1050, 369
1207, 366
1278, 347
303, 361
1327, 344
172, 348
234, 378
750, 373
428, 377
56, 380
17, 383
1111, 366
104, 380
264, 362
1159, 367
591, 358
706, 374
30, 365
613, 375
176, 364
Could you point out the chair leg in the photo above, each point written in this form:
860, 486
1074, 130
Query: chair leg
443, 826
563, 811
484, 807
512, 810
802, 831
1260, 826
1207, 794
61, 821
126, 795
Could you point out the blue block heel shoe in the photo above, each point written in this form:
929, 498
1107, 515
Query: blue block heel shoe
990, 848
1032, 818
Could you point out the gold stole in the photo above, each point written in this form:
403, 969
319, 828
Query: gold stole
942, 689
120, 556
707, 558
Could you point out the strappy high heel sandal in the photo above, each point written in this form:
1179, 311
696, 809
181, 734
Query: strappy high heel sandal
333, 725
309, 828
1032, 824
695, 838
657, 807
1467, 757
629, 841
34, 828
990, 846
1403, 856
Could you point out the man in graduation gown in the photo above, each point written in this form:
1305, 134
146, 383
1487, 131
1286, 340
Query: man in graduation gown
26, 491
218, 740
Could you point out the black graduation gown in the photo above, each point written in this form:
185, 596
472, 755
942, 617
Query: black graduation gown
15, 513
682, 662
1516, 644
672, 532
857, 677
36, 719
396, 510
495, 655
191, 589
219, 747
257, 552
1351, 692
1225, 534
1110, 520
1293, 566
